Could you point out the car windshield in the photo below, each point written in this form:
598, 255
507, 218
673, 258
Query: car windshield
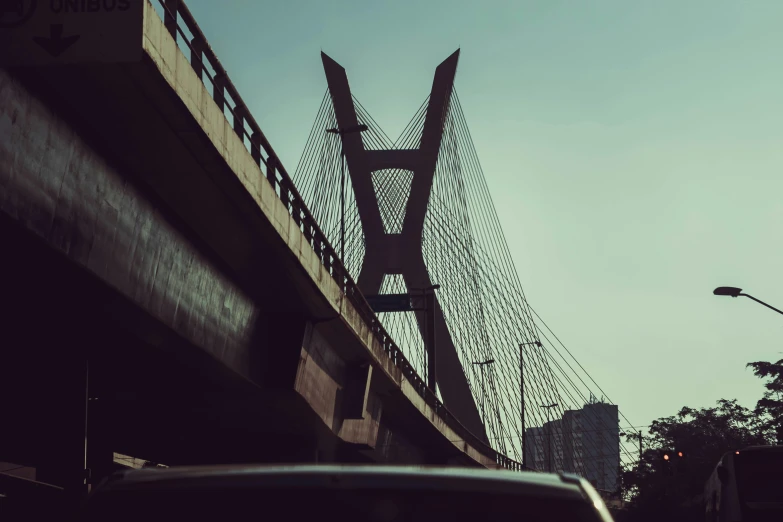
307, 504
759, 476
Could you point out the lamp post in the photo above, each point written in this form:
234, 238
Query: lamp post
429, 332
736, 292
483, 385
548, 421
522, 398
341, 133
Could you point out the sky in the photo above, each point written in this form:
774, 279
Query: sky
632, 148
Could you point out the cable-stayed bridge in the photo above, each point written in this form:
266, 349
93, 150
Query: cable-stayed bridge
415, 211
176, 297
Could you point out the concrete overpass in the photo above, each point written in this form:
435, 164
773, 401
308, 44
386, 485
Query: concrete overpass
164, 285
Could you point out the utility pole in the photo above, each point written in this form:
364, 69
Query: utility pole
483, 385
640, 449
522, 405
428, 296
522, 399
639, 435
341, 133
549, 422
429, 331
342, 206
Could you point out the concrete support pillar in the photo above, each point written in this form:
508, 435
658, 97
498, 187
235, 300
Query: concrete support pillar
62, 425
278, 348
356, 390
100, 453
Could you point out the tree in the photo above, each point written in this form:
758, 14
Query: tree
770, 406
695, 440
671, 489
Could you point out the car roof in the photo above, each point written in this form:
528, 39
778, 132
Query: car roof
353, 477
761, 448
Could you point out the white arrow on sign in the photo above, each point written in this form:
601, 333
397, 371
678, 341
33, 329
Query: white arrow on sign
41, 32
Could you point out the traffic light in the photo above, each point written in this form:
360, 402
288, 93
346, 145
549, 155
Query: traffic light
667, 464
674, 461
683, 461
671, 455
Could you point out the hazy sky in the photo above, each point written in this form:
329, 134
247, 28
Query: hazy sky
633, 149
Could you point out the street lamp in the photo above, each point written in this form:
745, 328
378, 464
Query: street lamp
736, 292
483, 385
548, 421
522, 397
429, 332
343, 132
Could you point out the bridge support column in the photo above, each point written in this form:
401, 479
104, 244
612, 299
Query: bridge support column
356, 391
62, 425
277, 349
100, 452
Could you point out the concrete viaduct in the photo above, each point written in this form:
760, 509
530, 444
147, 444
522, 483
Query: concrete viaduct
166, 293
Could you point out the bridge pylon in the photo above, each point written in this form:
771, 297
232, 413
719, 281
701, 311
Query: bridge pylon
399, 252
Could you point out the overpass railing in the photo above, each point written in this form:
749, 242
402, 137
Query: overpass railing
179, 22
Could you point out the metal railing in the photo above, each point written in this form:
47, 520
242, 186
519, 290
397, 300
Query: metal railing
175, 15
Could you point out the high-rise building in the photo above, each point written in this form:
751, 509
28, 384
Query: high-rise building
534, 449
573, 450
601, 445
544, 447
553, 446
585, 442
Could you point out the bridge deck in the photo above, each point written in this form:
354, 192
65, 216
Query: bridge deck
176, 215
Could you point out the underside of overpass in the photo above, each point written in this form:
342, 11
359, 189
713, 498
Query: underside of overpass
149, 302
151, 393
67, 336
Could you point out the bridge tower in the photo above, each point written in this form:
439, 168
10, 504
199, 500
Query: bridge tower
388, 253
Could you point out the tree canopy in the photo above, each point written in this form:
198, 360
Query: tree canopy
770, 407
694, 440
